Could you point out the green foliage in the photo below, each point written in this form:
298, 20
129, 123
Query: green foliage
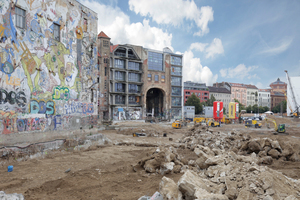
224, 110
210, 102
277, 108
193, 100
241, 106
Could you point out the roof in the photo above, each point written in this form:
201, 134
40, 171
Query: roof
102, 34
237, 84
277, 94
278, 82
113, 47
251, 86
264, 90
218, 90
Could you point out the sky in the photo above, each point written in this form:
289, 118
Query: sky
249, 41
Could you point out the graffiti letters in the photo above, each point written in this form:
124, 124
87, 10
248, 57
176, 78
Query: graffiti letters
12, 80
12, 98
61, 93
42, 107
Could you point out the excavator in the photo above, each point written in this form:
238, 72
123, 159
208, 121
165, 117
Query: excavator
213, 123
179, 124
278, 129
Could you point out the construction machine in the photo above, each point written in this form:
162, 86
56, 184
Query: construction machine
278, 129
179, 123
295, 113
213, 123
252, 123
240, 115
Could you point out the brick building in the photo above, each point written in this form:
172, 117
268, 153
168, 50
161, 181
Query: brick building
199, 89
144, 82
278, 91
276, 98
278, 86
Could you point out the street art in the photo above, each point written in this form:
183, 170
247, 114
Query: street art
130, 114
45, 79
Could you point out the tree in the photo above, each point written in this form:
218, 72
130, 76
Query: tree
249, 109
224, 110
241, 106
266, 108
255, 108
193, 100
210, 102
277, 109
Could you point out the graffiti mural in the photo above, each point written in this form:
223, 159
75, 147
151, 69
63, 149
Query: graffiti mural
48, 65
127, 114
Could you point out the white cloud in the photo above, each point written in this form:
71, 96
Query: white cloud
212, 49
240, 72
283, 46
174, 12
194, 71
116, 24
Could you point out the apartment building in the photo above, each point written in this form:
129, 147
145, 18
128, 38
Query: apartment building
277, 98
199, 89
252, 95
264, 98
144, 82
239, 92
221, 94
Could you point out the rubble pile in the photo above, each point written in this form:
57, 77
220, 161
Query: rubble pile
227, 166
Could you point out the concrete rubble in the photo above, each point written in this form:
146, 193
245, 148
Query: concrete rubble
229, 166
13, 196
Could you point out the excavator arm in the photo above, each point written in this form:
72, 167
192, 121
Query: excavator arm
274, 122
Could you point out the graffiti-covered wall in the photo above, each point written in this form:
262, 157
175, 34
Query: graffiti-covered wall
48, 65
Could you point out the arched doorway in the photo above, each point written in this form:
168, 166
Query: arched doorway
155, 102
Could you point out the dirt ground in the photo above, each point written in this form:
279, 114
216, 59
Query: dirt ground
107, 173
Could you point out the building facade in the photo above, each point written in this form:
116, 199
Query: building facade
264, 98
49, 66
221, 94
252, 95
278, 86
276, 99
104, 62
239, 92
199, 89
144, 83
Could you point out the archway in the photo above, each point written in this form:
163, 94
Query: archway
155, 102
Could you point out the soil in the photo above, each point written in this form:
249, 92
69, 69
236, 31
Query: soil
107, 172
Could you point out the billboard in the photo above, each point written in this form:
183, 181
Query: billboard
291, 104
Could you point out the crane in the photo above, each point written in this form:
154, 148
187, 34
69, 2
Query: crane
296, 112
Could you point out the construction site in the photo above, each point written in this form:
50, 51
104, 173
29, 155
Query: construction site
138, 160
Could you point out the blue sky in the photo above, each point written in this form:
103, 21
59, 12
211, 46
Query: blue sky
247, 41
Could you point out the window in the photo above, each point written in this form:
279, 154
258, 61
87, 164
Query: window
176, 91
120, 99
85, 24
105, 71
120, 63
134, 77
176, 81
120, 76
175, 60
156, 77
105, 43
176, 71
20, 17
176, 101
119, 87
155, 61
149, 77
56, 31
133, 100
162, 78
132, 88
133, 65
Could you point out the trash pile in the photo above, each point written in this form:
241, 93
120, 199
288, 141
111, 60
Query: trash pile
228, 166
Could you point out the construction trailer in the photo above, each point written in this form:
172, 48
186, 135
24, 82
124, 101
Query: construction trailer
293, 95
189, 113
208, 111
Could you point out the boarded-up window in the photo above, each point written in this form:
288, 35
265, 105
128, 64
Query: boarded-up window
56, 31
20, 17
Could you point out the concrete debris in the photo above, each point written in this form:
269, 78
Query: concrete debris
228, 167
169, 189
13, 196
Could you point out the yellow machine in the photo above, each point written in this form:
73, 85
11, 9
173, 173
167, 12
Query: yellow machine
213, 123
280, 128
179, 124
201, 119
253, 123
